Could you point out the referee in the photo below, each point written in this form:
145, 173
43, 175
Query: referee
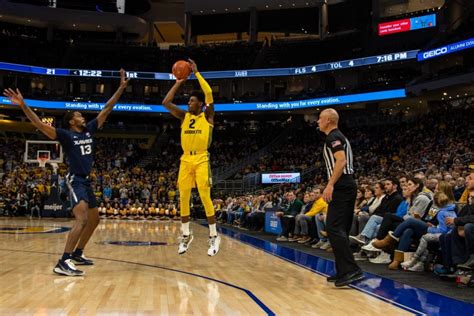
340, 193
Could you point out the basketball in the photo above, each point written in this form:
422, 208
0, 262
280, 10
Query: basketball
181, 69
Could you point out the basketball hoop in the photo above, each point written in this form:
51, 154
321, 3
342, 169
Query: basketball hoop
42, 161
43, 157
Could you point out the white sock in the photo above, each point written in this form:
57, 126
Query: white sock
212, 230
185, 228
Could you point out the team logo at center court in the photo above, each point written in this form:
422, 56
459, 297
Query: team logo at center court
12, 229
132, 243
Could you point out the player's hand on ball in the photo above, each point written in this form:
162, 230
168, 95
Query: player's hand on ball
193, 65
327, 193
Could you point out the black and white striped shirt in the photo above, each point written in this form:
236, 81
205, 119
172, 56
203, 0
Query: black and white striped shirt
336, 141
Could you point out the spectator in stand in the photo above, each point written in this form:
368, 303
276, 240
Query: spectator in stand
458, 246
145, 194
436, 227
287, 216
107, 193
256, 217
368, 205
35, 205
459, 188
389, 204
300, 233
413, 228
431, 185
318, 206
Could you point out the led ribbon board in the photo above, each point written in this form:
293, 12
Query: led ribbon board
274, 72
226, 107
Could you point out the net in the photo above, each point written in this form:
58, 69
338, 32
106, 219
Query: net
43, 157
42, 161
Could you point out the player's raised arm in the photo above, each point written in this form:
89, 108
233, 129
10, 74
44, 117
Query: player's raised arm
206, 88
113, 100
168, 104
16, 98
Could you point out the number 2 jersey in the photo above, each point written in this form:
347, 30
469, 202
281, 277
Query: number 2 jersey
196, 134
78, 148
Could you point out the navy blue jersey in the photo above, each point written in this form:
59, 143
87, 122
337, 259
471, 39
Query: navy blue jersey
78, 148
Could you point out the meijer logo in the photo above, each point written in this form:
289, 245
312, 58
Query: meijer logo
436, 52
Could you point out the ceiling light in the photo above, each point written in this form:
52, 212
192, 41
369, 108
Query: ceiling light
445, 93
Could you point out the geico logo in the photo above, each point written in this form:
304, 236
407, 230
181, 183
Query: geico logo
436, 52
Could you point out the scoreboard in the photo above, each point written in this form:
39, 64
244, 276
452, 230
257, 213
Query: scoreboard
273, 72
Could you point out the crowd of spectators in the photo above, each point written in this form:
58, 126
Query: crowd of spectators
413, 210
416, 222
434, 142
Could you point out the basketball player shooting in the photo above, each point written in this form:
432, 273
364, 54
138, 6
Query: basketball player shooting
77, 141
196, 135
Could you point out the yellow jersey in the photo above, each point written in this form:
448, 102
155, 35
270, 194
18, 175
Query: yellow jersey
196, 134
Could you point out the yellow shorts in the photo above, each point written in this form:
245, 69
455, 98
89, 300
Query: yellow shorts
194, 170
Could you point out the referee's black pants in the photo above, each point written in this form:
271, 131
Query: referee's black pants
338, 226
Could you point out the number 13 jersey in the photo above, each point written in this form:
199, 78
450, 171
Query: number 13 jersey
78, 148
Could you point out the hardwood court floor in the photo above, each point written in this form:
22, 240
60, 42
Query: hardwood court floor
155, 280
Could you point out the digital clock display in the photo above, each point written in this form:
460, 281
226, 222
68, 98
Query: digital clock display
87, 73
